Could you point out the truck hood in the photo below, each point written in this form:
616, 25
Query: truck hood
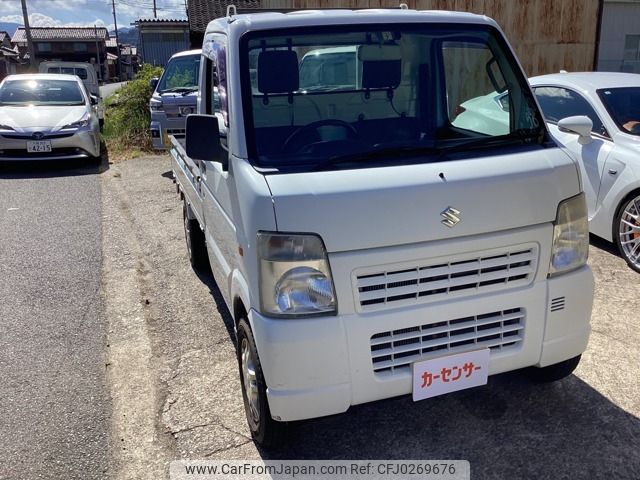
377, 207
40, 117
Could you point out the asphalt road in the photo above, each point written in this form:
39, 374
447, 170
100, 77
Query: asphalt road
54, 404
110, 88
586, 426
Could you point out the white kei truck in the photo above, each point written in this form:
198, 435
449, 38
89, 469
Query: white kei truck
366, 245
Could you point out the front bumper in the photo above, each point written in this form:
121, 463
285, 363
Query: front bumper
321, 366
74, 145
161, 130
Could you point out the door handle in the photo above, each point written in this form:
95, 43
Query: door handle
612, 171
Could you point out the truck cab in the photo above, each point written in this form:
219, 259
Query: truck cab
360, 236
174, 97
86, 72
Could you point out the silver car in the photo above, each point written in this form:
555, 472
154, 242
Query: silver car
47, 117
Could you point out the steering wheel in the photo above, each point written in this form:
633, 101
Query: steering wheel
290, 143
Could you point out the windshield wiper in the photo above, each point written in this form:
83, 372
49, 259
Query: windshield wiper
518, 137
179, 90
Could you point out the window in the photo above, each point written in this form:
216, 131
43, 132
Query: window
79, 47
44, 47
219, 76
475, 87
623, 104
632, 47
181, 75
379, 93
558, 103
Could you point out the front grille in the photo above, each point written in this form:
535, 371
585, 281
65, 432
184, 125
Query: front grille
438, 279
29, 137
397, 349
176, 131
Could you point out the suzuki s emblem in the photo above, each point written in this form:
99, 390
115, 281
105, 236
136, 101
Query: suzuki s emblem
37, 136
451, 217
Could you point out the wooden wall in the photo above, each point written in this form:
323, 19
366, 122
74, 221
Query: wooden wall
548, 35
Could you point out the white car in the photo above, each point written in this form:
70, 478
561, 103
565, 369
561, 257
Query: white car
488, 114
607, 146
47, 117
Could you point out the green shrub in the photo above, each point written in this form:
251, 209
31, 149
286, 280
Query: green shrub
127, 114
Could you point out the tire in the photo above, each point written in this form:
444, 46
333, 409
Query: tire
196, 245
626, 230
555, 372
266, 431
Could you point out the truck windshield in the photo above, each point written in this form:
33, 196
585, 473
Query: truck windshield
352, 92
181, 75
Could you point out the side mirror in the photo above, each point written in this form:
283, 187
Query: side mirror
94, 100
203, 140
580, 124
153, 83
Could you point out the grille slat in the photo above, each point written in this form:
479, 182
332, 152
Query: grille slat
398, 349
438, 280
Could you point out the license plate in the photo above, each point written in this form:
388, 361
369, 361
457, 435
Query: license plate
449, 374
39, 146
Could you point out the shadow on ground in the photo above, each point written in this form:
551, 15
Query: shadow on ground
55, 168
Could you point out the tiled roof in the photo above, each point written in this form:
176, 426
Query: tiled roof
162, 20
201, 12
111, 43
61, 33
3, 35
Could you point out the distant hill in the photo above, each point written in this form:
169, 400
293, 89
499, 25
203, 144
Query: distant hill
128, 35
10, 28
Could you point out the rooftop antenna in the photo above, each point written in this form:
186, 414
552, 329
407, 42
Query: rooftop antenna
231, 11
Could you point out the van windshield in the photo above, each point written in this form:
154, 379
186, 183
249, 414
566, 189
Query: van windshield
381, 92
181, 75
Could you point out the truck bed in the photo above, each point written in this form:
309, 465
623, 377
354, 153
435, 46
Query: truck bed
188, 178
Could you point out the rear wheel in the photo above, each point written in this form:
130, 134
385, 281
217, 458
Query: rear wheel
555, 372
194, 237
266, 431
626, 230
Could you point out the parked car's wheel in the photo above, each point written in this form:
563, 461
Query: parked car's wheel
266, 431
101, 123
626, 230
196, 245
553, 373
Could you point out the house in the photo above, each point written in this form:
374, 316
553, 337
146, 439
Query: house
70, 44
619, 49
9, 56
160, 38
548, 35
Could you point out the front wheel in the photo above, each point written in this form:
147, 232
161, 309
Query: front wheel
626, 231
266, 431
555, 372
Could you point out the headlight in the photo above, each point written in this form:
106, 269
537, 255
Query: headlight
7, 127
295, 278
570, 248
156, 106
83, 122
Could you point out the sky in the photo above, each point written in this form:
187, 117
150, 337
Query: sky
88, 12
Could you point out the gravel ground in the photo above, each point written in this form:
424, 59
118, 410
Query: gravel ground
586, 426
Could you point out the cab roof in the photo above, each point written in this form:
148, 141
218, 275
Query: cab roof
589, 81
304, 18
186, 53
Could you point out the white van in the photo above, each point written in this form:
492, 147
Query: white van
366, 245
87, 74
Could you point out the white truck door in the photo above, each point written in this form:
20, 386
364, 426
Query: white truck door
220, 231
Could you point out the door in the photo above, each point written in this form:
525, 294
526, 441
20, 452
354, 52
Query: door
560, 102
217, 182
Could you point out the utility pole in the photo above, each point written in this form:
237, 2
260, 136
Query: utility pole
155, 13
95, 31
115, 25
27, 31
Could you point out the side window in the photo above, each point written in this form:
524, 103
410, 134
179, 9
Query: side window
558, 103
219, 76
475, 89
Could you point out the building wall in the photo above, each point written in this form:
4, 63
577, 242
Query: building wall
157, 46
619, 19
548, 35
